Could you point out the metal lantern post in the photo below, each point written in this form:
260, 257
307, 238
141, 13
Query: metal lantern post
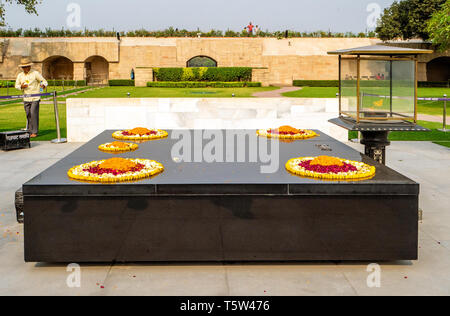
444, 121
58, 140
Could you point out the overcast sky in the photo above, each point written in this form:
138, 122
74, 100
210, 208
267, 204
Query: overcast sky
300, 15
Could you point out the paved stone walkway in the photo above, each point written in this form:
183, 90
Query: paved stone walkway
427, 163
432, 118
275, 93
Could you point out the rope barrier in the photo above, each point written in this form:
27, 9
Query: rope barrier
11, 97
404, 98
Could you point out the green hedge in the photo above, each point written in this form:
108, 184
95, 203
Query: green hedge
121, 83
316, 83
6, 83
434, 84
222, 74
69, 83
202, 84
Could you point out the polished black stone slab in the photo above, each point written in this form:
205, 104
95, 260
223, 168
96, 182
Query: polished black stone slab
218, 178
220, 211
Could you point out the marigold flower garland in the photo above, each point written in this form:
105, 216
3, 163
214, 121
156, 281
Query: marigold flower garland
116, 170
140, 133
117, 147
330, 168
287, 132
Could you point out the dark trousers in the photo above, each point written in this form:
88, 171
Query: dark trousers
32, 111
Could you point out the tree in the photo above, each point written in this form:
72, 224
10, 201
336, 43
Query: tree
439, 27
407, 19
29, 5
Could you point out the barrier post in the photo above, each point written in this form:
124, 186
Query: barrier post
444, 121
59, 140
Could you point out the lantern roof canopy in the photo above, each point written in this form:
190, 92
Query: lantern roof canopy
381, 50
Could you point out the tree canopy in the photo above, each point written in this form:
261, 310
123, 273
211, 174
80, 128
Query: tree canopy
29, 5
407, 19
439, 27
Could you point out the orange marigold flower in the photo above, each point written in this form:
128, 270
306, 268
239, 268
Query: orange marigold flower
119, 164
119, 145
139, 131
327, 161
288, 129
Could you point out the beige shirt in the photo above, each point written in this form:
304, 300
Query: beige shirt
34, 80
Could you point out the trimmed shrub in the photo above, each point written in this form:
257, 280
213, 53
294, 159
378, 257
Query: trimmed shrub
217, 74
434, 84
201, 84
7, 83
58, 83
121, 83
316, 83
168, 74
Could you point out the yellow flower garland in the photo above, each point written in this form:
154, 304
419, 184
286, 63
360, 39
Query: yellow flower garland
305, 135
364, 171
151, 168
159, 134
109, 147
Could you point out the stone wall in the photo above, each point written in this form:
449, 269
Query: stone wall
283, 60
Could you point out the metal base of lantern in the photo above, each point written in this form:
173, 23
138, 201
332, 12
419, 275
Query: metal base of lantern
375, 145
375, 135
59, 141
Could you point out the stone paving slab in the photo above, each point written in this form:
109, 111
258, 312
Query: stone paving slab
424, 162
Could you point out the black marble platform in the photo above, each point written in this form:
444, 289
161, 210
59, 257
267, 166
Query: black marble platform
220, 211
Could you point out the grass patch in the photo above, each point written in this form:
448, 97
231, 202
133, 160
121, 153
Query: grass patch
313, 92
445, 144
434, 135
144, 92
12, 118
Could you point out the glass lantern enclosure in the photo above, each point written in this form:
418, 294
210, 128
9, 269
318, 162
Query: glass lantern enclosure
378, 84
378, 89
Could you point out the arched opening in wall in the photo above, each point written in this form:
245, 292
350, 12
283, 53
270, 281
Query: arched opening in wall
96, 71
201, 61
439, 69
57, 68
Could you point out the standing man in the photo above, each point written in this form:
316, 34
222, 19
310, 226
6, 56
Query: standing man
250, 29
30, 82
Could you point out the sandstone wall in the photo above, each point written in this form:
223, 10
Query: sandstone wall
280, 61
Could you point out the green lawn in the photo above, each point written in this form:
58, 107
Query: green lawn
137, 92
313, 92
434, 135
12, 117
424, 107
445, 144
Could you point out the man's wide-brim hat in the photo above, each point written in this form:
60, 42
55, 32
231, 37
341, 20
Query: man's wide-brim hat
25, 62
